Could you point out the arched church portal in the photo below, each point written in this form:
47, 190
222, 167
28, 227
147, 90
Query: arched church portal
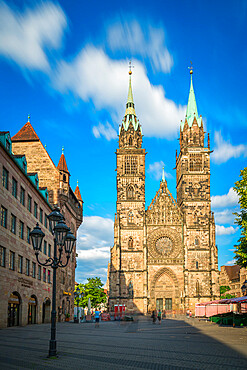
164, 294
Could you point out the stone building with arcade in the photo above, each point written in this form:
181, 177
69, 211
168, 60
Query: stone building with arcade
164, 257
31, 186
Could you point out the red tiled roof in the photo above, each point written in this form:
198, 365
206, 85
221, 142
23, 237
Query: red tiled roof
77, 193
62, 165
26, 133
232, 272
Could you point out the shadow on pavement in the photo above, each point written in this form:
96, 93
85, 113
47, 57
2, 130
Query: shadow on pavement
175, 344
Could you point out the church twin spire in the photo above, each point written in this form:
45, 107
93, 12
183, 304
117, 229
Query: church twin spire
130, 114
191, 112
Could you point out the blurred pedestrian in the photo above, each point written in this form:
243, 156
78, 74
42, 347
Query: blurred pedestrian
159, 316
97, 317
153, 316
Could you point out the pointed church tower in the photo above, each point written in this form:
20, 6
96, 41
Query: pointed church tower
78, 194
193, 198
127, 277
64, 174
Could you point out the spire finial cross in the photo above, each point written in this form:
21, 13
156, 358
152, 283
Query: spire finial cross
62, 149
130, 67
28, 118
191, 68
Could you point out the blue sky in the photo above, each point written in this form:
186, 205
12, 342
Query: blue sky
66, 64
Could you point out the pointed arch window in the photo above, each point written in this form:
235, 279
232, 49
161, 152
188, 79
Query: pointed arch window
131, 217
196, 241
130, 290
130, 192
130, 141
197, 265
197, 288
130, 243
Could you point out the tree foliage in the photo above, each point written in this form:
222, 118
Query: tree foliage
223, 290
241, 219
93, 290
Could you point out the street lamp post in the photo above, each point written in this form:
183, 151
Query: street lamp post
64, 241
244, 288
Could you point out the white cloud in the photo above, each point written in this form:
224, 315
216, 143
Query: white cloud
93, 76
106, 131
156, 168
222, 230
95, 237
225, 217
232, 262
25, 37
129, 36
226, 200
224, 150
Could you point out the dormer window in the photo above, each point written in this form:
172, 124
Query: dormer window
8, 145
64, 177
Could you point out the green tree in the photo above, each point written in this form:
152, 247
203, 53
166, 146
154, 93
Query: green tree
241, 219
93, 290
223, 290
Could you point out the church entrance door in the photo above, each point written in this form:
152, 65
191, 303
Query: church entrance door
159, 304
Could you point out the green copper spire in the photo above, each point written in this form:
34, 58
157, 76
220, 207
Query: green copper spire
130, 114
130, 94
191, 111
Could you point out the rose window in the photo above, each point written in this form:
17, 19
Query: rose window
164, 245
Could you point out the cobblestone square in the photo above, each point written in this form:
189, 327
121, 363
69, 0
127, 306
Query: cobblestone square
175, 344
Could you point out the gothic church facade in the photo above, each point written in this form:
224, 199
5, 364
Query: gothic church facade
164, 257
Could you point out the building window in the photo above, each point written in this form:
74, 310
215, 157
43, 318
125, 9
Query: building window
21, 230
130, 290
130, 243
130, 165
27, 267
41, 215
168, 304
45, 247
46, 218
5, 178
4, 217
197, 265
44, 275
8, 145
130, 192
11, 260
131, 217
195, 162
28, 234
39, 272
35, 209
14, 187
2, 256
13, 224
22, 196
29, 203
49, 276
49, 250
34, 270
20, 264
197, 288
196, 241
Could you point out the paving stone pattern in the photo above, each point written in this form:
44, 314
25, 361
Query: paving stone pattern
175, 344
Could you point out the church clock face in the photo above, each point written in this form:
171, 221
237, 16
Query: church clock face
164, 245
